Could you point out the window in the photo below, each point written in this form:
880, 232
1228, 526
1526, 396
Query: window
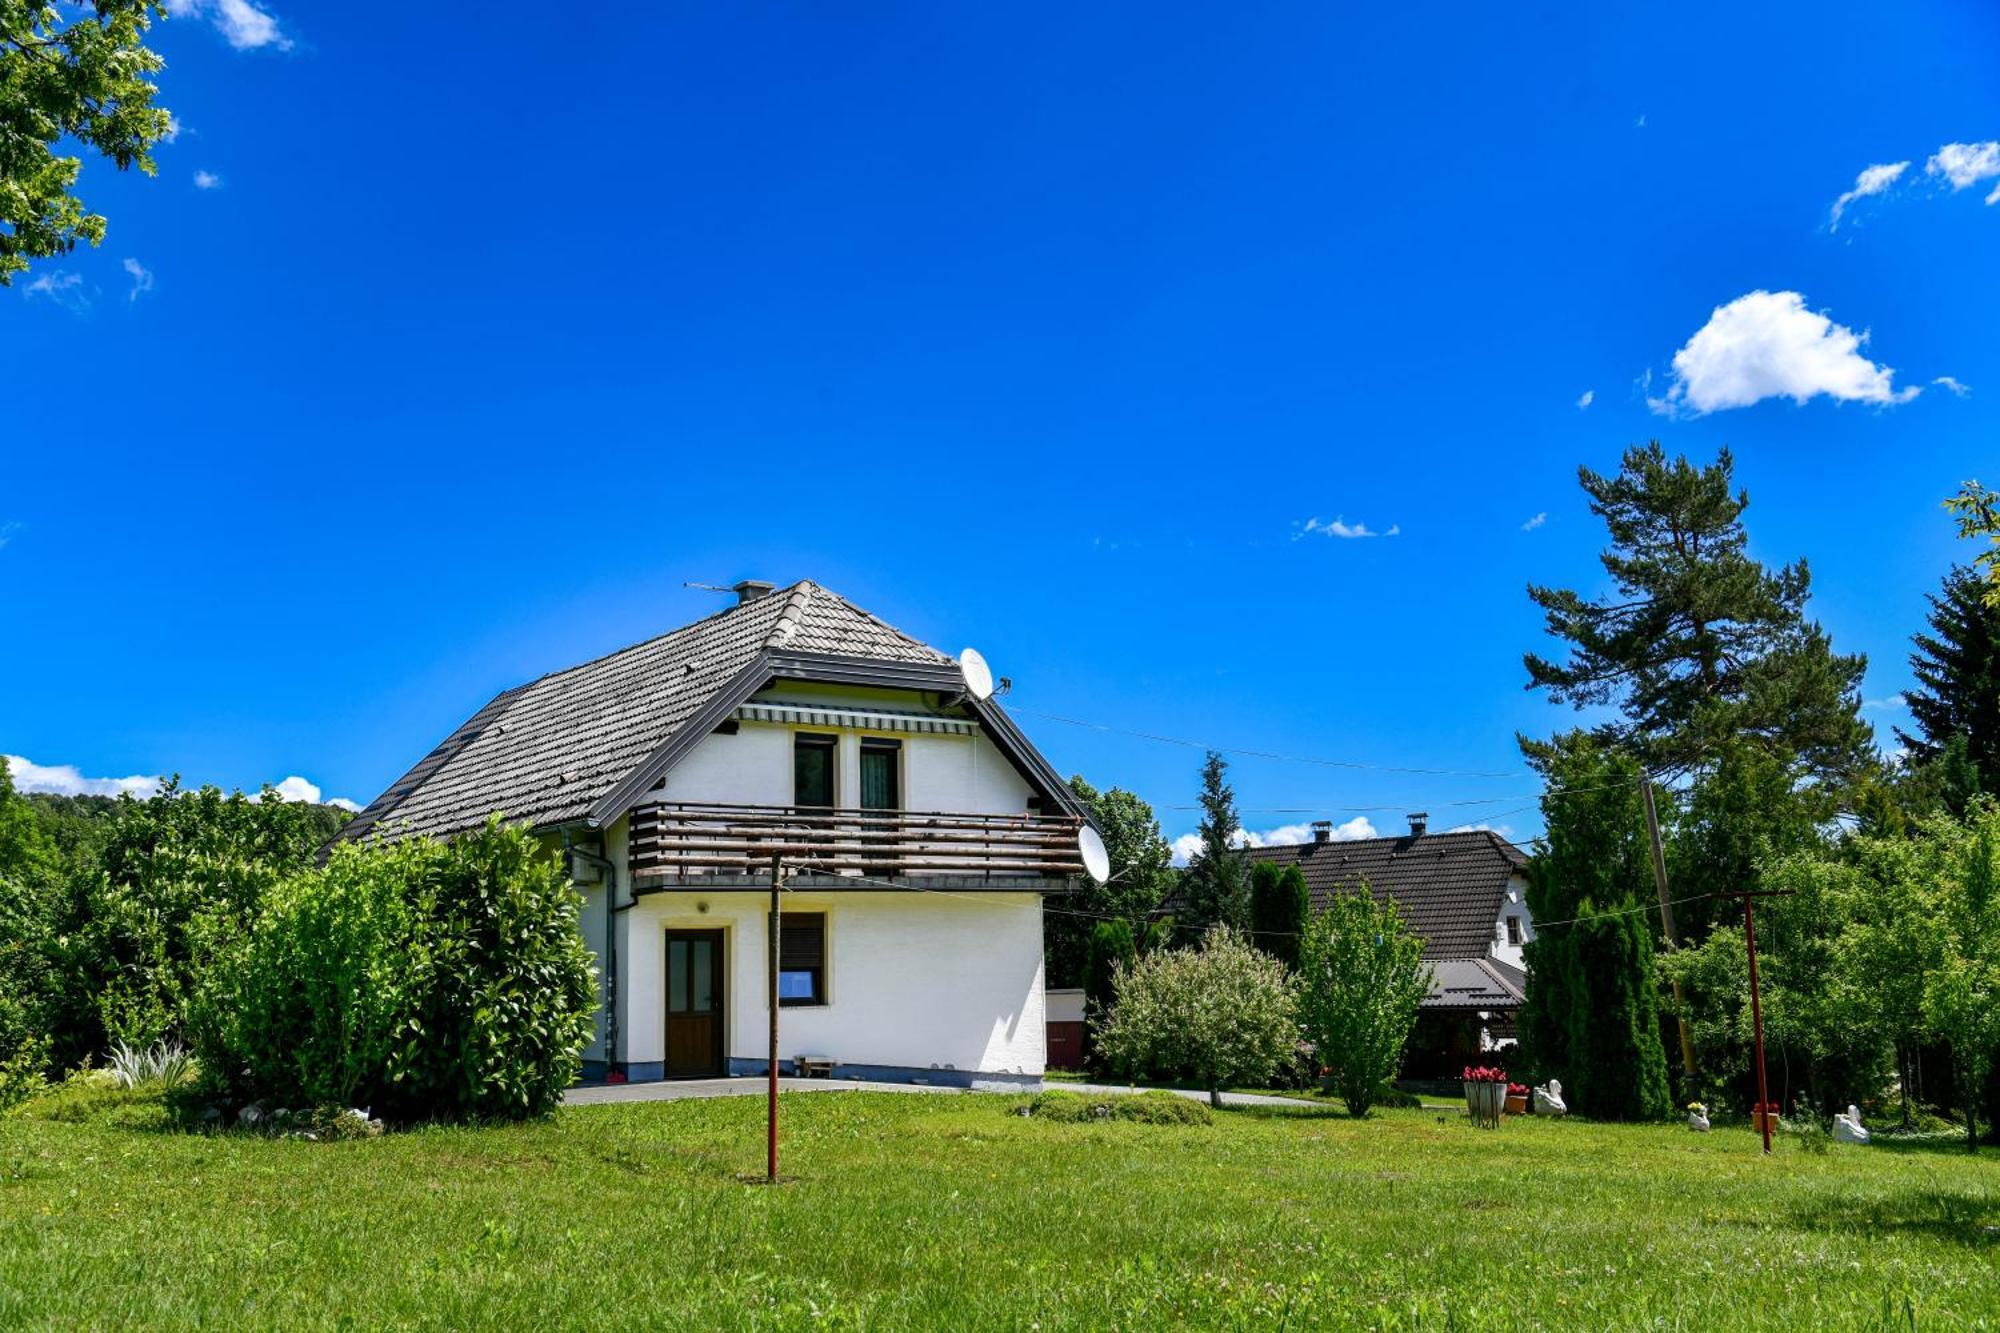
812, 770
881, 788
1514, 930
801, 958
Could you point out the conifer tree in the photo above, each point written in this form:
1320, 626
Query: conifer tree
1216, 889
1957, 666
1279, 904
1617, 1069
1699, 644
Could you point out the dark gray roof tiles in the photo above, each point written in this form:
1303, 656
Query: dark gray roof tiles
1448, 886
548, 750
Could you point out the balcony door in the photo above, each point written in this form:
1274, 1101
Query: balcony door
694, 1004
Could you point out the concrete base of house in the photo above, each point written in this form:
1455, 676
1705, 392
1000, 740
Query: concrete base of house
973, 1079
654, 1071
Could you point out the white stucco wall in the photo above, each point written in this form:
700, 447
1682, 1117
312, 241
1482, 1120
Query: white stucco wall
913, 980
1513, 903
956, 774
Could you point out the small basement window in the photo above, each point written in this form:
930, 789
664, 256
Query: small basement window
1513, 930
801, 958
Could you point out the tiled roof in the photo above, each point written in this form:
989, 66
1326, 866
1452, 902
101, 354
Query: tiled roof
1448, 886
548, 750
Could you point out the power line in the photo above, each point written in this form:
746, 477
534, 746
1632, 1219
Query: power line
1260, 754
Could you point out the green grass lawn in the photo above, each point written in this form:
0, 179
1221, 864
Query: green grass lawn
947, 1211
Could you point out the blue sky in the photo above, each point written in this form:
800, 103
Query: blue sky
440, 355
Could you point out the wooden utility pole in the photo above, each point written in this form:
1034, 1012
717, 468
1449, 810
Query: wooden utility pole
1667, 928
771, 1097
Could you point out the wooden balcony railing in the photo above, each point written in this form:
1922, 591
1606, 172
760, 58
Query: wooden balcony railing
686, 840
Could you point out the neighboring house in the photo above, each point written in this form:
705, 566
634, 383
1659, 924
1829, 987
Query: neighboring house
1465, 895
918, 828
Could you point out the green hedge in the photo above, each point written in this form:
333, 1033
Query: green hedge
422, 980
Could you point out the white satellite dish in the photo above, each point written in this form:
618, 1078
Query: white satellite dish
978, 676
1096, 861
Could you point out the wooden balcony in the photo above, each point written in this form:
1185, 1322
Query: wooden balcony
687, 844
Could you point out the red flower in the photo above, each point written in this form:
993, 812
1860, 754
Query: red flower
1484, 1074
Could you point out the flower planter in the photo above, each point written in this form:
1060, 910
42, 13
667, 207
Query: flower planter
1764, 1117
1485, 1100
1517, 1105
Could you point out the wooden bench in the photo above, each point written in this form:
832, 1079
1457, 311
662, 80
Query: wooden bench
813, 1066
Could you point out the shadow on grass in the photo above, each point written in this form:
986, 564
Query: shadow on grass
1959, 1216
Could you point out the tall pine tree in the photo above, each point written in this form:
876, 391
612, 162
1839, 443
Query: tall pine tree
1699, 644
1957, 666
1216, 888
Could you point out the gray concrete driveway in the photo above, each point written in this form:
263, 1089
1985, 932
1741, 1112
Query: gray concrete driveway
673, 1090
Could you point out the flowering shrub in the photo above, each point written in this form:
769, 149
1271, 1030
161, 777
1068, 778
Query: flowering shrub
1483, 1074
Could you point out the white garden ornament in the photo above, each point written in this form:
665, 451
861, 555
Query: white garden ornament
1848, 1128
1549, 1099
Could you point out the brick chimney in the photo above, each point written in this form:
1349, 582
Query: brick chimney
1419, 821
1322, 830
749, 590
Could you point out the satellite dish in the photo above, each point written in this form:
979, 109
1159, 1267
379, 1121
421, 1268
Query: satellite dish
1096, 861
978, 676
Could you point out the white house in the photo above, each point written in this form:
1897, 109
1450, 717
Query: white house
915, 829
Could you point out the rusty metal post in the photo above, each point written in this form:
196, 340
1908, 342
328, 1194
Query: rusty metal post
771, 1097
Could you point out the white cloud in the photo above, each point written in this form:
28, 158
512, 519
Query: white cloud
296, 788
1339, 527
174, 128
61, 286
207, 180
1892, 701
1589, 397
1285, 835
242, 24
1957, 388
342, 803
1503, 830
1535, 522
1769, 345
7, 531
1967, 164
1872, 180
142, 279
68, 780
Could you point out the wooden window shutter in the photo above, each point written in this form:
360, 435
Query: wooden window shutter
801, 940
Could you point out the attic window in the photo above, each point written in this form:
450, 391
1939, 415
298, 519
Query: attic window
1513, 929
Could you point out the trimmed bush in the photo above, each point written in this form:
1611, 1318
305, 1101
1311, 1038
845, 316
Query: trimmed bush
423, 980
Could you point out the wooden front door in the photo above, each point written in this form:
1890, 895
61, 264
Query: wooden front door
694, 1003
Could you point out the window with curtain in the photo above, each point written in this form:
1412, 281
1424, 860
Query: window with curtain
881, 785
801, 958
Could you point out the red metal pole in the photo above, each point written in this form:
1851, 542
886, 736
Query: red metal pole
1757, 1021
771, 1095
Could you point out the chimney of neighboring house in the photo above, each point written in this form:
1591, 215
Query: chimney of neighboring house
1322, 830
749, 590
1419, 821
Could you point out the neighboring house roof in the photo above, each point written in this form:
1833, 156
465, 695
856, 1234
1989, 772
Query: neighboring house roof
584, 744
1448, 886
1475, 983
